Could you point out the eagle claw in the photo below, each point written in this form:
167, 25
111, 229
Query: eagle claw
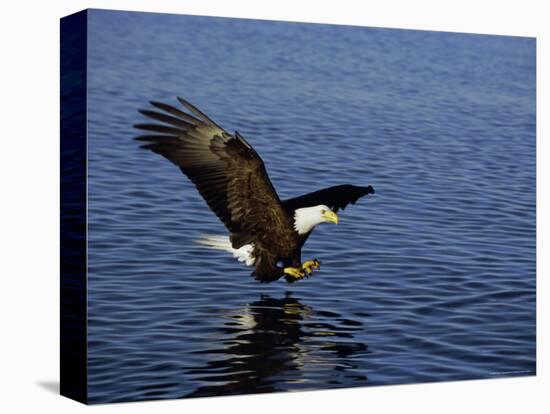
294, 273
311, 265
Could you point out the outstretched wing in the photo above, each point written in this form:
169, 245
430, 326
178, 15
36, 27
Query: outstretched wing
337, 197
226, 170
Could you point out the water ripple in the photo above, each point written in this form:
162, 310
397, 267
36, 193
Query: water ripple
431, 279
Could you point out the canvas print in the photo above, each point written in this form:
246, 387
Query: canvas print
255, 206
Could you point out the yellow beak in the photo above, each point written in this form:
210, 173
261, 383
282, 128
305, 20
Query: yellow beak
330, 216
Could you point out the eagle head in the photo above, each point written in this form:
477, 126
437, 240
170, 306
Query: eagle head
305, 219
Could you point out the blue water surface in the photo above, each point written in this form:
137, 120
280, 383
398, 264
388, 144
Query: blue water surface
431, 279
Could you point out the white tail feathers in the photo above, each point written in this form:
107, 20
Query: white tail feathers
216, 242
242, 254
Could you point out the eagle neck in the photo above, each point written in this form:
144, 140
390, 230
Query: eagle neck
305, 219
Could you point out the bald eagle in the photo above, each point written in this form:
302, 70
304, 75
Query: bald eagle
265, 232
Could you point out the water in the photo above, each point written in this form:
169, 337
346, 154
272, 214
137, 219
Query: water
431, 279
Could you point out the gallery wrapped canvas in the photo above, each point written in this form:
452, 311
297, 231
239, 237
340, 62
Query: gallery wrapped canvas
256, 206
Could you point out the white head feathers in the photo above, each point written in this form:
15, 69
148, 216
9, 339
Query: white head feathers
305, 219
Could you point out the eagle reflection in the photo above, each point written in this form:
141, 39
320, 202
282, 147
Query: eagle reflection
281, 344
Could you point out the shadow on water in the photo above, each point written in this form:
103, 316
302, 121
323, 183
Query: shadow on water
278, 345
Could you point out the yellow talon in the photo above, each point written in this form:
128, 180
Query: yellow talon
295, 272
311, 265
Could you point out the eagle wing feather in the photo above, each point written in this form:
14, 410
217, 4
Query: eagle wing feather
336, 197
227, 172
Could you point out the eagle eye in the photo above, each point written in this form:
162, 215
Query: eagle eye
323, 211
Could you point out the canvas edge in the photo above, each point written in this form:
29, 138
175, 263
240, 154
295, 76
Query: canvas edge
73, 199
